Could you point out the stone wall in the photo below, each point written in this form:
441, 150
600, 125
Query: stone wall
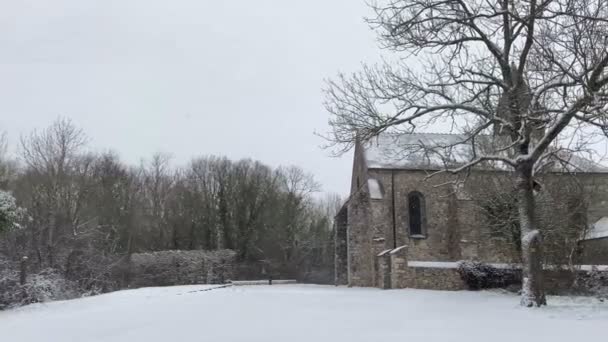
435, 278
399, 270
400, 273
453, 221
456, 230
360, 255
383, 269
596, 187
448, 279
595, 252
165, 268
341, 247
456, 227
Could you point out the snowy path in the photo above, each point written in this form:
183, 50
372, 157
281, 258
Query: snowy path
303, 313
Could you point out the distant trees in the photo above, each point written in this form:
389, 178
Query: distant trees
87, 210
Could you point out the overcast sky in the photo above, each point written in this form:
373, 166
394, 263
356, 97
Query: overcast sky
240, 78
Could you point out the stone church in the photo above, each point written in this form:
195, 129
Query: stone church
399, 228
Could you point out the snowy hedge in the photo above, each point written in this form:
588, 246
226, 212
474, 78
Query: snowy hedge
166, 268
477, 275
594, 282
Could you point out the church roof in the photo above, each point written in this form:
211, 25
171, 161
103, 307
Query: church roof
435, 151
599, 230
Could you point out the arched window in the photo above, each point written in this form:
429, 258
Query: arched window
417, 215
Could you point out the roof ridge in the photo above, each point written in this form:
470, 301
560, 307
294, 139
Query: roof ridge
418, 133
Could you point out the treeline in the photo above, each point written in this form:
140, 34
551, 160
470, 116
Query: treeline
98, 206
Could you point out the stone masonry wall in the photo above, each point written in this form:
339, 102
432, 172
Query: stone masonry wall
400, 276
596, 186
455, 225
403, 276
595, 252
341, 247
452, 219
360, 258
445, 276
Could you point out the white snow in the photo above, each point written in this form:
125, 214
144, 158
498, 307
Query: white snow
599, 230
593, 267
298, 313
436, 151
415, 151
456, 264
263, 282
384, 252
398, 249
433, 264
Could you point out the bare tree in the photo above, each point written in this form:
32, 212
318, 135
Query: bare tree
58, 174
295, 211
158, 181
530, 71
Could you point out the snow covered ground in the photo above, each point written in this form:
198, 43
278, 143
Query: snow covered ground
303, 313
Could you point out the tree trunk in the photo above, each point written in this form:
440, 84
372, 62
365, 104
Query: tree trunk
50, 237
533, 292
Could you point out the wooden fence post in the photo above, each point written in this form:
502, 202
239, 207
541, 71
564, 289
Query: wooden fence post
23, 275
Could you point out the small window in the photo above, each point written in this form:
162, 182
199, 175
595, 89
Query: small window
417, 218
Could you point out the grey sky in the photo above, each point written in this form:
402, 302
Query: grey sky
240, 78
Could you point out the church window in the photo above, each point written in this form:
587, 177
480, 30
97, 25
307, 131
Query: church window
417, 216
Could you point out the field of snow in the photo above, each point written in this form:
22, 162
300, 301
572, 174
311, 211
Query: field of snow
303, 313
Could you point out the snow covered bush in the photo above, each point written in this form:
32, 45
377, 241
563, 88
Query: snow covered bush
44, 286
477, 275
48, 285
594, 282
10, 213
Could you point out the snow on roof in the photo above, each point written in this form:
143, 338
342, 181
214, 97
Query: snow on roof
599, 230
414, 151
398, 249
504, 266
433, 264
375, 189
385, 252
433, 151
